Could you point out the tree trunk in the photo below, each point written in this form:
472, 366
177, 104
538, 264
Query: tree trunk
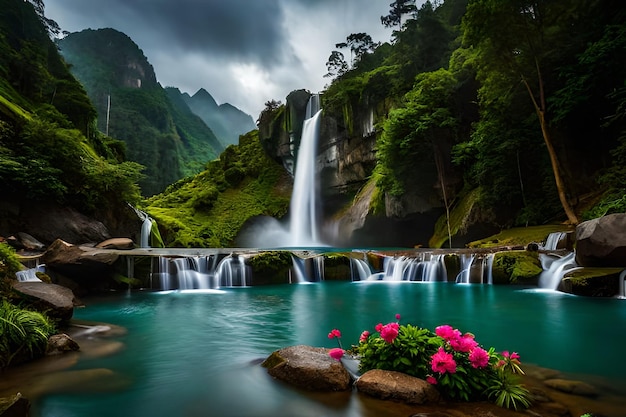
541, 114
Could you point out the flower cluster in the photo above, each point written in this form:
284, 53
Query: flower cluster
453, 361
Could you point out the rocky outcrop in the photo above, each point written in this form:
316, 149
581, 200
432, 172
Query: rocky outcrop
391, 385
14, 406
87, 267
55, 300
309, 368
602, 241
61, 343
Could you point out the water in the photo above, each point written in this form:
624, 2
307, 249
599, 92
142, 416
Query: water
302, 229
191, 353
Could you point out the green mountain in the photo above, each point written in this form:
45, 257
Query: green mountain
159, 129
226, 120
53, 160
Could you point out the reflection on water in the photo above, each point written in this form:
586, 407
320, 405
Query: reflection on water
190, 353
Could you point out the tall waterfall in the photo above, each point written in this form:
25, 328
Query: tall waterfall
303, 211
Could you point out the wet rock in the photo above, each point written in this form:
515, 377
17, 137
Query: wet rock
572, 387
602, 241
61, 343
14, 406
86, 267
55, 300
309, 368
121, 243
391, 385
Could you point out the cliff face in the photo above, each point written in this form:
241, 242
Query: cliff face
354, 213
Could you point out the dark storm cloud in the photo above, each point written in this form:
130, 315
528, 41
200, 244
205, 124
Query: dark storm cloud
238, 29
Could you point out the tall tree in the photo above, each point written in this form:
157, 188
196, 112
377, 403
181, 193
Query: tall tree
514, 40
336, 65
398, 9
359, 44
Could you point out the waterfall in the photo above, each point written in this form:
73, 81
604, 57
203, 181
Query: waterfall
425, 268
30, 275
200, 272
622, 285
359, 269
466, 264
553, 240
554, 268
303, 230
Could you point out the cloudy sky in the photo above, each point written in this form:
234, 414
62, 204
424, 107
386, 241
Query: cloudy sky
243, 52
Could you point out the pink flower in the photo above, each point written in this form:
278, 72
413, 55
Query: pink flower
379, 327
513, 356
336, 353
334, 333
431, 380
463, 343
389, 332
447, 332
443, 362
397, 316
364, 336
479, 357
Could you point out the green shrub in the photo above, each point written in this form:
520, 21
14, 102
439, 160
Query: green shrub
23, 333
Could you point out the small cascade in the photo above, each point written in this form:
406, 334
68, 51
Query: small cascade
554, 268
425, 268
622, 285
466, 268
553, 240
146, 231
232, 271
30, 275
199, 272
308, 269
359, 269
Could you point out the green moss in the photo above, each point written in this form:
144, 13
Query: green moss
209, 209
592, 282
271, 267
516, 267
460, 216
520, 236
337, 267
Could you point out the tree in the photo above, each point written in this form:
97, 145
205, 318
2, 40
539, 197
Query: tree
336, 65
513, 43
398, 9
360, 44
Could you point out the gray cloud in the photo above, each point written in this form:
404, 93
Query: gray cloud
244, 52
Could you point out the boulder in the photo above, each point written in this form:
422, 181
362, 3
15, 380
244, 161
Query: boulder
87, 267
572, 387
602, 242
61, 343
391, 385
14, 406
309, 368
122, 243
55, 300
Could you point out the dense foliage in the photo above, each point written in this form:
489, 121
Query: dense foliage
49, 146
23, 333
209, 209
522, 100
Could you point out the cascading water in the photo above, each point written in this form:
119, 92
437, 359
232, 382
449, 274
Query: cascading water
200, 272
30, 275
303, 229
554, 268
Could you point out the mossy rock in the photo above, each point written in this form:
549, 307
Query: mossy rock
592, 282
337, 267
516, 267
271, 267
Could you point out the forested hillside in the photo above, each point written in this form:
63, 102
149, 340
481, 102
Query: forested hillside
515, 105
51, 152
159, 129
